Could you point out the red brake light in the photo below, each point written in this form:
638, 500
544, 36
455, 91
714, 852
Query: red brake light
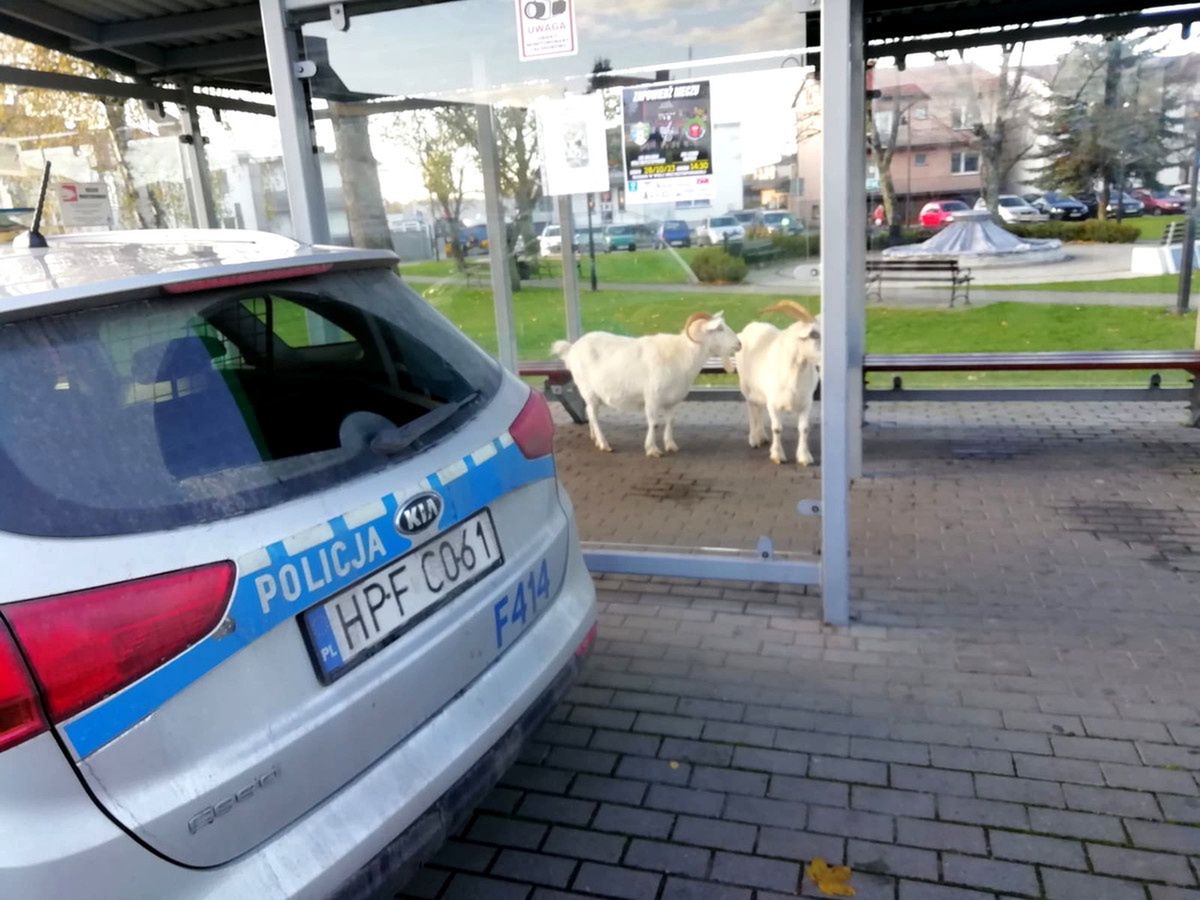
89, 644
533, 428
224, 281
20, 716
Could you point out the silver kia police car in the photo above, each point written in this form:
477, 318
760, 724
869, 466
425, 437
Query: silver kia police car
287, 572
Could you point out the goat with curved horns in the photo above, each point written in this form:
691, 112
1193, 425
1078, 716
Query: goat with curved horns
779, 370
652, 373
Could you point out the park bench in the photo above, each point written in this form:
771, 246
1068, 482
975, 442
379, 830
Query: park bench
559, 387
1156, 361
759, 250
931, 269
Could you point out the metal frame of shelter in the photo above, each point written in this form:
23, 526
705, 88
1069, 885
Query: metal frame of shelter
257, 46
844, 316
838, 32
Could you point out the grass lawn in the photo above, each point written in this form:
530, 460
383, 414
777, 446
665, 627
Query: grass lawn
1141, 284
996, 327
620, 267
1151, 228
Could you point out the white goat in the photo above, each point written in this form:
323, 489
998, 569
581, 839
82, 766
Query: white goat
779, 370
653, 373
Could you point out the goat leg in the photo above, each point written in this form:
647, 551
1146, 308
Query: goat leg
651, 442
669, 434
777, 454
803, 456
594, 427
758, 435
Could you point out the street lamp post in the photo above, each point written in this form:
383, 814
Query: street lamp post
1188, 251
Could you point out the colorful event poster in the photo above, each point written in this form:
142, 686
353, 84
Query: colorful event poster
667, 131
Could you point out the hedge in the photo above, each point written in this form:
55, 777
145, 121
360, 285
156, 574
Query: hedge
714, 265
1093, 231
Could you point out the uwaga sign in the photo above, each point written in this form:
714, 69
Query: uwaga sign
546, 29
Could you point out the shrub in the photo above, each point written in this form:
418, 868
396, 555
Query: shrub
1093, 230
713, 265
798, 246
880, 238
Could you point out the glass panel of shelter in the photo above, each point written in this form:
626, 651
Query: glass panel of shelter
712, 92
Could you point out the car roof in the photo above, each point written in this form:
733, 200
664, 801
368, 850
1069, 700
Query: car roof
78, 270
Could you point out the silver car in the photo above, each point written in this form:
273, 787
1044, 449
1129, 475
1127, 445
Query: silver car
288, 574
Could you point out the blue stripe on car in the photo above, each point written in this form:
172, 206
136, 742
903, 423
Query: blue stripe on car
306, 570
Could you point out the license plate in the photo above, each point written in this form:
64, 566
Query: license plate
346, 629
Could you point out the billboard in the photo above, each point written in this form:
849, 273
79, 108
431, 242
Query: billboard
667, 136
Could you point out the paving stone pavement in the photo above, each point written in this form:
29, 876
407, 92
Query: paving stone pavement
1014, 712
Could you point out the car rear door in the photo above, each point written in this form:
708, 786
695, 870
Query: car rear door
319, 509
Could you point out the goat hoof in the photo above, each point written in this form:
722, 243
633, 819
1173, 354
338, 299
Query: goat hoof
654, 452
778, 460
672, 448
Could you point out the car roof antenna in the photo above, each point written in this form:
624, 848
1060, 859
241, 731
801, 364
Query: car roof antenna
33, 239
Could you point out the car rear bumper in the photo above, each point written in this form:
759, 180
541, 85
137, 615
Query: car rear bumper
370, 833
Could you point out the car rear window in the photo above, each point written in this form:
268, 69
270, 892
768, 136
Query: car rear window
723, 222
160, 413
954, 206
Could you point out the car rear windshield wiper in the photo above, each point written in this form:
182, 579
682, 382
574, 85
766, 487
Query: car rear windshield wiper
394, 440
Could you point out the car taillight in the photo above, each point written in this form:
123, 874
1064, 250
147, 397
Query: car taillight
533, 428
20, 716
86, 645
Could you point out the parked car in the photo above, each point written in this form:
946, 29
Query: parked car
1014, 209
674, 233
581, 239
476, 237
1182, 190
937, 213
550, 242
748, 218
296, 575
1160, 203
625, 237
782, 222
1131, 206
719, 229
1059, 206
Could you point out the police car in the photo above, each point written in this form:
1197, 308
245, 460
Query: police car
288, 574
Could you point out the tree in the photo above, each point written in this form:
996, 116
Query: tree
1108, 122
883, 127
101, 122
516, 154
999, 110
440, 156
359, 172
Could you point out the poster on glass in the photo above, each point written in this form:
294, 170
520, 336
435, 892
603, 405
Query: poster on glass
667, 132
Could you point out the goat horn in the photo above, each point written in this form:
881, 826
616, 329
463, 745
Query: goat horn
692, 320
793, 309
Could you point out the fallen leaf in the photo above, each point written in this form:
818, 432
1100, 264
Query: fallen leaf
674, 764
833, 881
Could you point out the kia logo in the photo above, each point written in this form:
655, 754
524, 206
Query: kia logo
537, 9
418, 513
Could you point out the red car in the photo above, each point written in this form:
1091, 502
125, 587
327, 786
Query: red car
938, 213
1160, 203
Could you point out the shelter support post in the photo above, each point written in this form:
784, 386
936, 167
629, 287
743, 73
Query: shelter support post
502, 295
843, 204
301, 164
197, 176
566, 224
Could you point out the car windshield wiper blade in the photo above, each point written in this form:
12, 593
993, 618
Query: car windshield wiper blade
394, 440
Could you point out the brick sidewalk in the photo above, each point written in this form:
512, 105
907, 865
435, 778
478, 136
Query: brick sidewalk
1014, 713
